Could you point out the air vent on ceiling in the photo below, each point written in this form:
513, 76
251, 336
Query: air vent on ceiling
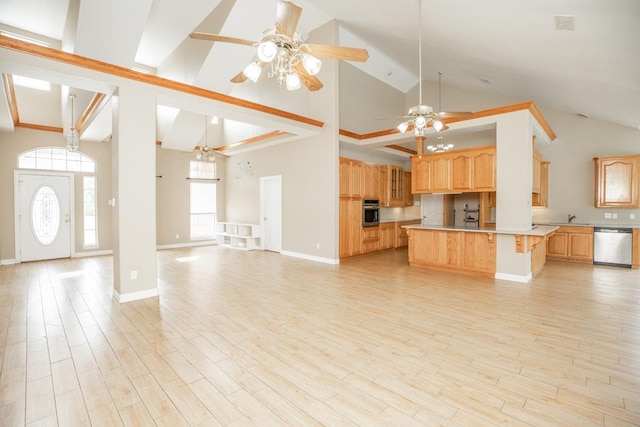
565, 22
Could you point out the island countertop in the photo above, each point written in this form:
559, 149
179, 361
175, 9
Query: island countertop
539, 230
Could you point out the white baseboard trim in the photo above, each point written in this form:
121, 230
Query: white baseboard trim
134, 296
514, 277
187, 245
311, 257
92, 253
8, 261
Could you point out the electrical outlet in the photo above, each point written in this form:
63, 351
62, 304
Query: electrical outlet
317, 245
615, 216
607, 215
632, 216
134, 274
177, 236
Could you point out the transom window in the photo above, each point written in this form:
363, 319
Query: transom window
56, 159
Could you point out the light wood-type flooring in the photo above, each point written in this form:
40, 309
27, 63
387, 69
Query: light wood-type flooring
255, 338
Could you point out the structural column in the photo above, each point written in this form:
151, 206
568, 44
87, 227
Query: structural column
514, 135
134, 193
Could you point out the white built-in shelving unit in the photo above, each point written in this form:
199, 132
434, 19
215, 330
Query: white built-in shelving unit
237, 235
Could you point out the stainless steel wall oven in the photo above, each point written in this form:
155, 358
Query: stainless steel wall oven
370, 213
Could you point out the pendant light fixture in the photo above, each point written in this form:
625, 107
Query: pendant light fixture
72, 139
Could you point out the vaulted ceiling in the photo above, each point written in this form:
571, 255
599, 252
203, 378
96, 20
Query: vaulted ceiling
503, 47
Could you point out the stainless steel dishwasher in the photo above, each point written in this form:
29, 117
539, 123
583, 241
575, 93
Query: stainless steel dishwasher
612, 246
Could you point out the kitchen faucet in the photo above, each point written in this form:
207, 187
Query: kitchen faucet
571, 218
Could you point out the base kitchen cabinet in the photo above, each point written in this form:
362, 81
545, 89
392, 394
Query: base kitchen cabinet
387, 235
571, 243
402, 238
370, 239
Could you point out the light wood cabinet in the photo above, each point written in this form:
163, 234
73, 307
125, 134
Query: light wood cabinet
617, 181
469, 170
408, 195
351, 178
461, 169
370, 239
402, 237
387, 235
541, 199
571, 243
392, 183
484, 170
371, 181
453, 251
350, 227
537, 160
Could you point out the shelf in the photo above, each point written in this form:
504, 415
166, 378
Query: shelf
238, 235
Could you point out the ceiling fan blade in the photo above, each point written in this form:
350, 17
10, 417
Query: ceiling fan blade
287, 18
219, 38
239, 78
338, 52
311, 82
448, 114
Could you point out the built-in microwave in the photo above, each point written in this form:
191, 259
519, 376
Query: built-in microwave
370, 213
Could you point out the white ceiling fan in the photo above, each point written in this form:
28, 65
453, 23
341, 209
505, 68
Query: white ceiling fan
292, 60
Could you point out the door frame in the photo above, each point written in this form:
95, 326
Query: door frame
16, 207
263, 180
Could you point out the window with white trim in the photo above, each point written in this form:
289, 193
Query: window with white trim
202, 196
89, 211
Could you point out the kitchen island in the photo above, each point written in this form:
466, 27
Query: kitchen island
473, 250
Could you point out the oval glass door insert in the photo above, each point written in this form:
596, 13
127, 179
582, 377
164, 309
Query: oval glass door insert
45, 215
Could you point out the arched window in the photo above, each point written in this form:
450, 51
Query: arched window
59, 159
56, 159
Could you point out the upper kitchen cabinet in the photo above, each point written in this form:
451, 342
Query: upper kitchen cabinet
541, 199
392, 186
408, 195
617, 181
537, 164
371, 181
470, 170
351, 178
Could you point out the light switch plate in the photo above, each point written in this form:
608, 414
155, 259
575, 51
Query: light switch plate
615, 216
607, 215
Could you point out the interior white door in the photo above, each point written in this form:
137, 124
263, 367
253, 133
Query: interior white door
271, 212
43, 216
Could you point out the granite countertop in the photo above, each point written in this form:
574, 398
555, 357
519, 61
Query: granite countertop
383, 221
584, 224
539, 230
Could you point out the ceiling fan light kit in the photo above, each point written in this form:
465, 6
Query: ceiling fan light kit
293, 62
421, 116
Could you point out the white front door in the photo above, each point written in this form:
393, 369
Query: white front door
43, 216
271, 211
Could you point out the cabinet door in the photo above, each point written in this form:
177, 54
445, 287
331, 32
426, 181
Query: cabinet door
387, 235
484, 171
345, 177
396, 184
557, 246
408, 195
357, 178
617, 181
350, 227
580, 246
371, 181
441, 172
535, 185
461, 172
421, 175
541, 199
383, 175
